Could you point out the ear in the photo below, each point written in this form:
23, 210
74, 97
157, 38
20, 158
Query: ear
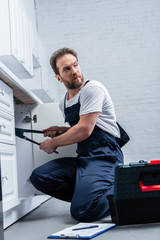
58, 77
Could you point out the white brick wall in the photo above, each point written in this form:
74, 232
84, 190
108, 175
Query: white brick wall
118, 42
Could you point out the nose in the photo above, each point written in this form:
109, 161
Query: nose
74, 70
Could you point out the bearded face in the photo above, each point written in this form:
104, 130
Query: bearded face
69, 72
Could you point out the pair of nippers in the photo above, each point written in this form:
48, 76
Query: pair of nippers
20, 133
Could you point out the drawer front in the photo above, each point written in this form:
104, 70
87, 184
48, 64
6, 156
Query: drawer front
9, 173
7, 166
7, 128
6, 98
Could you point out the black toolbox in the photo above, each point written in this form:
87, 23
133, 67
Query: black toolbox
136, 196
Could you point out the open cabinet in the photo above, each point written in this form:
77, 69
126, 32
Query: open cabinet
18, 156
47, 115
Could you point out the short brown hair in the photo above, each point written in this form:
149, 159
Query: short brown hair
59, 53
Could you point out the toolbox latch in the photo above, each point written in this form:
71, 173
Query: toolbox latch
154, 162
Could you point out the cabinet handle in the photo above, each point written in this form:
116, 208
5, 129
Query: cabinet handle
2, 92
5, 177
2, 125
22, 61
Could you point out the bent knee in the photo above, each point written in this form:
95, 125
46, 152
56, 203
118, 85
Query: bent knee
35, 178
79, 214
90, 211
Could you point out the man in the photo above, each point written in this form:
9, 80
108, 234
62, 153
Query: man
87, 179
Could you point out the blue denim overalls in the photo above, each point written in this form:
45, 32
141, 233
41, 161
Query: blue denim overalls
84, 181
97, 156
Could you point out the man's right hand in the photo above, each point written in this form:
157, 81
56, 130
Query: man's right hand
54, 131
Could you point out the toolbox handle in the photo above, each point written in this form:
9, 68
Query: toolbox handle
149, 188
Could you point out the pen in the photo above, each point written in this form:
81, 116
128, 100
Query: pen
92, 226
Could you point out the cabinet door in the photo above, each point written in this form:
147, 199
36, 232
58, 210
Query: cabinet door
21, 37
16, 47
9, 176
26, 41
14, 13
6, 98
43, 84
5, 46
7, 128
48, 114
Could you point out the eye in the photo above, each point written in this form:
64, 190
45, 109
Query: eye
66, 69
75, 64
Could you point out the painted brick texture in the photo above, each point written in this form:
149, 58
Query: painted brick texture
118, 43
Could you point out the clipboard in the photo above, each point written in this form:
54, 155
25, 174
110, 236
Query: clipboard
82, 231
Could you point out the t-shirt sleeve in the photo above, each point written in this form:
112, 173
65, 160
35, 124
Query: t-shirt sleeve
91, 100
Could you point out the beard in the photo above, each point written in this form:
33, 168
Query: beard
74, 84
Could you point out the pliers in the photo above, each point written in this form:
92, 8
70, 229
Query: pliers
20, 133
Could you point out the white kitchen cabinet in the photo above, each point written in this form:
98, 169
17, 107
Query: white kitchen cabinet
22, 51
43, 83
48, 114
6, 98
20, 157
9, 176
16, 42
18, 194
44, 80
7, 133
8, 148
36, 48
24, 69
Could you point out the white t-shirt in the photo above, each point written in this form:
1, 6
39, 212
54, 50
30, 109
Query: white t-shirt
94, 97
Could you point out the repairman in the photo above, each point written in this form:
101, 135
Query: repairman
87, 179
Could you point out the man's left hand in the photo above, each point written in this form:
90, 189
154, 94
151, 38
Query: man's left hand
48, 146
